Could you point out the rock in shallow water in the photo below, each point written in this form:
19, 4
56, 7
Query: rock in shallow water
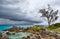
8, 33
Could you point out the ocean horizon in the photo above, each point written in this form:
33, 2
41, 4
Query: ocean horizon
3, 27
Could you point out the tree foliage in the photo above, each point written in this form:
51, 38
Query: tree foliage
49, 14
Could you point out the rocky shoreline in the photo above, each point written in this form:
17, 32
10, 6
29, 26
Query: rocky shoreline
41, 34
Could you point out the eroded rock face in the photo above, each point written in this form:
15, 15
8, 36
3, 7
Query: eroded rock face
48, 35
0, 35
14, 29
43, 35
58, 37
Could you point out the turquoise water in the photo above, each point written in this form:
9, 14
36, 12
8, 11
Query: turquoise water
10, 26
17, 35
4, 27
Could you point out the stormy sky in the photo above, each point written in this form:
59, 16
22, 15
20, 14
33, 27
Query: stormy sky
25, 11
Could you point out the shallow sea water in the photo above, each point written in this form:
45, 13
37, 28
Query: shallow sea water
18, 35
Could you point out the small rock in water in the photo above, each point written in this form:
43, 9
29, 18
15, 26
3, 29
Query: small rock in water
8, 33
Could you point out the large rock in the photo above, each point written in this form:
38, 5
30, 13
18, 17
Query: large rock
58, 37
0, 35
8, 33
14, 29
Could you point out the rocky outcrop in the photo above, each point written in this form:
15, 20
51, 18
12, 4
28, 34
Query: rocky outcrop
10, 33
0, 35
42, 35
14, 29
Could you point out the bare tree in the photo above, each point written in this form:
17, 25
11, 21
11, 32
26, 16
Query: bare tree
49, 14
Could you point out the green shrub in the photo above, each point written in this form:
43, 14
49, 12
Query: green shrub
36, 28
54, 26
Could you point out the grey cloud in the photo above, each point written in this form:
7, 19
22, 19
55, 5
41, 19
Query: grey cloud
56, 3
7, 21
8, 1
15, 14
23, 11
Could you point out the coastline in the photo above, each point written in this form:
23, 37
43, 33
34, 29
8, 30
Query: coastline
34, 31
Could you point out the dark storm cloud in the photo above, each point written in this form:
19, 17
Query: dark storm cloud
22, 11
12, 14
7, 21
8, 2
13, 10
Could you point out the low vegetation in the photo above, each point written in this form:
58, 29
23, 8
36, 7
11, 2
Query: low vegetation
36, 28
54, 26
